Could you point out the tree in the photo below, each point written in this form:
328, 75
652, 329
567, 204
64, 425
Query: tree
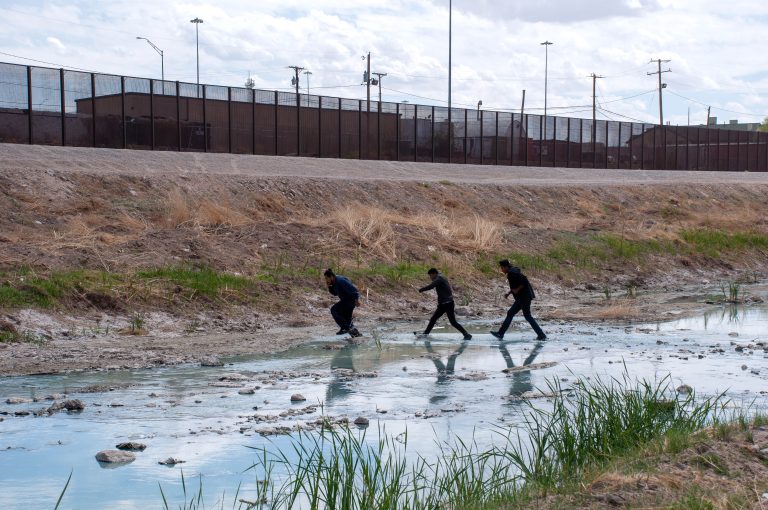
764, 125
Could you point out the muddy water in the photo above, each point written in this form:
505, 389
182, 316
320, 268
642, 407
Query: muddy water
436, 388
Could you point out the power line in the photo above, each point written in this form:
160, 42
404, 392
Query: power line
718, 108
49, 63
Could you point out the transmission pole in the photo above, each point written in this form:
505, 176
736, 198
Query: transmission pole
380, 76
368, 83
594, 117
661, 86
295, 81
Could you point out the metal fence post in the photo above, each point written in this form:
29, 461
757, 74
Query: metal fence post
29, 103
607, 126
253, 121
62, 99
554, 141
432, 116
465, 134
122, 112
298, 123
397, 132
512, 139
496, 137
178, 114
229, 118
93, 109
152, 112
319, 126
205, 121
415, 132
542, 136
482, 122
360, 129
275, 127
378, 132
568, 143
339, 140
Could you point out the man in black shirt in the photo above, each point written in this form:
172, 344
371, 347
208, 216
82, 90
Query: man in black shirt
445, 303
521, 288
348, 299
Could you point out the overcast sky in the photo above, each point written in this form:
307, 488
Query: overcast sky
715, 48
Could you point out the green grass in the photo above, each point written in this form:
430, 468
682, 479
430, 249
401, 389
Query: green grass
715, 242
205, 280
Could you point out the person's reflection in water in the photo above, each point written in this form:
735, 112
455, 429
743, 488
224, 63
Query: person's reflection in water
444, 370
339, 388
521, 381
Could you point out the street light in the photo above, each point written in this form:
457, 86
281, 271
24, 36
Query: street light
479, 104
197, 22
162, 63
546, 45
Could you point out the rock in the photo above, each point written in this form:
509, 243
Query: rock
297, 397
17, 400
74, 405
739, 348
131, 447
532, 366
22, 413
116, 404
744, 367
733, 334
170, 461
247, 391
115, 456
8, 327
360, 421
684, 389
55, 396
212, 361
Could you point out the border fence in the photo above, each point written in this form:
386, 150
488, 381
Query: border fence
40, 105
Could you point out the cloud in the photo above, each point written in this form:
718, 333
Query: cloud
56, 44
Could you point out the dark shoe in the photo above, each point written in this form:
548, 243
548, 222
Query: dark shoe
355, 333
497, 335
541, 338
467, 337
342, 331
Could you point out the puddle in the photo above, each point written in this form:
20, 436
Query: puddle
438, 388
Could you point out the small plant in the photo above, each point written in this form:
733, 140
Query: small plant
376, 334
607, 292
135, 325
730, 292
631, 290
192, 326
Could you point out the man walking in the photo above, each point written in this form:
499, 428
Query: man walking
521, 288
348, 300
445, 303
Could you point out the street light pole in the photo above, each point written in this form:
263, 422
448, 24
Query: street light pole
307, 73
197, 22
546, 45
162, 62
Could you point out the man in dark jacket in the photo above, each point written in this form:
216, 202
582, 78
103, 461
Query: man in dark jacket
348, 300
521, 288
445, 303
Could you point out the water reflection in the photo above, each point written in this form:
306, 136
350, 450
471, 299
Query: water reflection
520, 381
444, 370
339, 388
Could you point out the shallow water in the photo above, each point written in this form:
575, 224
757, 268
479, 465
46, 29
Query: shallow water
428, 386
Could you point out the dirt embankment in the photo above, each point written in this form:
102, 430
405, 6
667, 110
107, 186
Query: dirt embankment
168, 244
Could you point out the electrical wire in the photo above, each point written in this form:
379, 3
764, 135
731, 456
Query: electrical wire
717, 107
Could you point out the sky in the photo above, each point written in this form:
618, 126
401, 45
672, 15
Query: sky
713, 48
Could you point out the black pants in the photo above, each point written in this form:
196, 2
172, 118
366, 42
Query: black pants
525, 306
342, 314
447, 309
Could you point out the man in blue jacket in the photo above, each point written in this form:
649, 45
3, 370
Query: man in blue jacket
348, 299
521, 288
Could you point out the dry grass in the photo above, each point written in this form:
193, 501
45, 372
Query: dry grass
179, 213
373, 229
207, 214
618, 309
369, 229
215, 215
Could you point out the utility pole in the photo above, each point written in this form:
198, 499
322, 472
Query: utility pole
307, 73
546, 45
295, 80
708, 109
368, 83
522, 108
378, 82
594, 113
197, 22
661, 86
